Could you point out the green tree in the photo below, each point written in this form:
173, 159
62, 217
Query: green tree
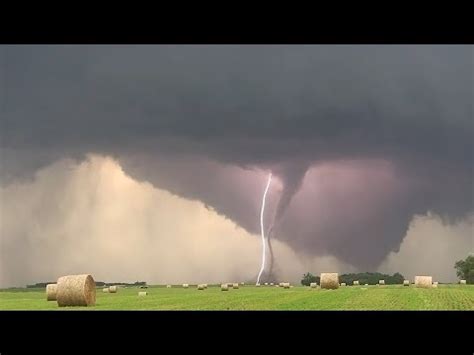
308, 278
465, 269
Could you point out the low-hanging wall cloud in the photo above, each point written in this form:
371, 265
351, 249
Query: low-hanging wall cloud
360, 139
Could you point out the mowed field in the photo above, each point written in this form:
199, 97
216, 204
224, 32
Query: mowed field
389, 297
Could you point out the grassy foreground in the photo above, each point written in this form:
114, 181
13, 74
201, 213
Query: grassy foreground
394, 297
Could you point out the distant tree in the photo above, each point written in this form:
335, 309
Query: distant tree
465, 269
308, 278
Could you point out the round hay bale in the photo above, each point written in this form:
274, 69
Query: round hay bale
76, 290
271, 283
242, 283
281, 284
235, 286
185, 286
343, 284
462, 282
313, 285
329, 280
168, 286
51, 292
381, 282
423, 281
286, 285
266, 283
366, 285
406, 282
257, 285
200, 287
105, 290
113, 289
224, 287
356, 283
142, 293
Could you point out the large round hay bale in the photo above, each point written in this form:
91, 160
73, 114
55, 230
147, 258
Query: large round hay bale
406, 282
271, 283
51, 292
224, 287
185, 285
76, 290
105, 290
313, 285
329, 280
200, 287
423, 281
381, 282
235, 286
355, 283
462, 282
113, 289
142, 293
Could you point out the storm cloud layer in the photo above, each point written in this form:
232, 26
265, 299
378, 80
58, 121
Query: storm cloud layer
360, 138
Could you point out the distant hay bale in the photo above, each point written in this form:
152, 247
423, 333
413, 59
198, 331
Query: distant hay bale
242, 283
381, 282
185, 285
286, 285
329, 280
51, 292
113, 289
200, 287
75, 290
423, 281
235, 286
343, 284
266, 284
168, 286
406, 282
366, 285
224, 287
277, 285
313, 285
462, 282
257, 285
105, 290
142, 293
271, 283
355, 283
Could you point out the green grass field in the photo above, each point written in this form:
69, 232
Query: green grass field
394, 297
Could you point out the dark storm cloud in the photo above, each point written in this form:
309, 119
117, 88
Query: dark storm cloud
267, 106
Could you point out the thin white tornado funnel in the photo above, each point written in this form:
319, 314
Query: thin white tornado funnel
262, 229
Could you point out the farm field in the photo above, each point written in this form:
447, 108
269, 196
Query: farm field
389, 297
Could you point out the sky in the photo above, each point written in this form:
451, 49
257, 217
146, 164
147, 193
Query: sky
149, 162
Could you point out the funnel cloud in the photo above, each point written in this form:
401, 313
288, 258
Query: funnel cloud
361, 141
